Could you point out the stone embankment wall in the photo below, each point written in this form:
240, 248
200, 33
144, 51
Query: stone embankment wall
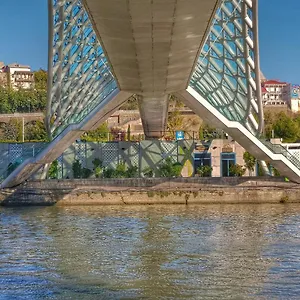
152, 191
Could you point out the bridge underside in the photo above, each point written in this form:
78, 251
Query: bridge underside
103, 51
152, 47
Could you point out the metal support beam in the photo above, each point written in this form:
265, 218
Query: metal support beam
102, 112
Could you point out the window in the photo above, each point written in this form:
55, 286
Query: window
202, 159
227, 160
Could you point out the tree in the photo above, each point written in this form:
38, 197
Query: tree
98, 135
208, 132
40, 79
25, 100
286, 128
201, 133
250, 161
4, 103
35, 131
11, 131
118, 134
53, 170
175, 120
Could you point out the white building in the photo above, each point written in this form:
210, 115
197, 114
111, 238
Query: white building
20, 76
275, 93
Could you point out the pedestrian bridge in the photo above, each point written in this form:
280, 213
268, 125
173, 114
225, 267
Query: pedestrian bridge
205, 52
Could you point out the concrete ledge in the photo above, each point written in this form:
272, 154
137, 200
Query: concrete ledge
147, 191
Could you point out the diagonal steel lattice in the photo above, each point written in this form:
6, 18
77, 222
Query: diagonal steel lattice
227, 72
79, 75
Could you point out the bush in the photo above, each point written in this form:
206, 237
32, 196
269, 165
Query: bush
120, 171
204, 171
236, 170
98, 169
250, 161
98, 172
170, 169
132, 172
98, 135
86, 173
148, 172
108, 173
77, 169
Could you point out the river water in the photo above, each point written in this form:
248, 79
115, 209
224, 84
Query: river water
150, 252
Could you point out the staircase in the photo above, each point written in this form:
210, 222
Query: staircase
279, 157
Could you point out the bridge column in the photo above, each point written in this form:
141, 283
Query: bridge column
154, 113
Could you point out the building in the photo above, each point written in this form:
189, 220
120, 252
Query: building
220, 155
275, 93
3, 75
294, 99
19, 76
280, 95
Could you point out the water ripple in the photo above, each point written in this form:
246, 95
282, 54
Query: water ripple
150, 252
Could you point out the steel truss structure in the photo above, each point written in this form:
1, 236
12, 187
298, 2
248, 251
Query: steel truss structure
79, 74
227, 72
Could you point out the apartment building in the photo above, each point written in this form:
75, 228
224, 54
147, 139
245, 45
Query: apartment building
19, 76
275, 93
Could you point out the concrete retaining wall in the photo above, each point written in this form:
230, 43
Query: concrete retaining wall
154, 182
152, 191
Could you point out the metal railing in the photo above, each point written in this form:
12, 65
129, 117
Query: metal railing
279, 149
28, 151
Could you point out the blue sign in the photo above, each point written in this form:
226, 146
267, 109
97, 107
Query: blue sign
179, 135
295, 91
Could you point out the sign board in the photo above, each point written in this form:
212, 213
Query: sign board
179, 135
295, 91
227, 149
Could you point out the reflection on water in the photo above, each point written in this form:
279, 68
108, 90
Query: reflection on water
150, 252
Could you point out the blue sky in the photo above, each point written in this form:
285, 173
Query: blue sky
24, 36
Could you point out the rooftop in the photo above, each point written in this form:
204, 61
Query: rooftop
16, 65
274, 82
264, 90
